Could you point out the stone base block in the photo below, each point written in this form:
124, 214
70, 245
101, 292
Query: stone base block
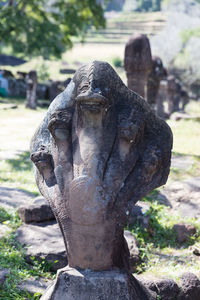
72, 284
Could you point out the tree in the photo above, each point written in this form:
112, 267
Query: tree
46, 27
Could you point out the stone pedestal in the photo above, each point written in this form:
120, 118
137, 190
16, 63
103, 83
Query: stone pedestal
72, 284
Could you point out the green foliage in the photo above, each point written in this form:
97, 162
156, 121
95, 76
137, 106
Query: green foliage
18, 172
12, 257
43, 72
4, 215
159, 235
35, 28
117, 62
189, 33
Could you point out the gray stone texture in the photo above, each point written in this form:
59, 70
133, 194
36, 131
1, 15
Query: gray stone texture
43, 240
137, 214
158, 73
190, 287
184, 232
71, 284
133, 249
38, 211
3, 275
31, 88
137, 63
33, 285
167, 289
13, 198
183, 196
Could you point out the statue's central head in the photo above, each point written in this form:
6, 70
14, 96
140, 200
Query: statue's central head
99, 149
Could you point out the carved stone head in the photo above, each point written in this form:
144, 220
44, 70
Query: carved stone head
98, 150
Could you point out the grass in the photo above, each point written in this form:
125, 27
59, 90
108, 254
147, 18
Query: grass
160, 254
12, 257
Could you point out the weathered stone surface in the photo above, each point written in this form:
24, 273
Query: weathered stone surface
158, 73
183, 196
133, 249
137, 63
38, 211
167, 289
137, 214
190, 287
71, 284
43, 240
99, 149
4, 230
56, 87
33, 285
184, 231
3, 274
13, 198
174, 94
31, 88
161, 98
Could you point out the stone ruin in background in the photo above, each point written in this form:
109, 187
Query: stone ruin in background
99, 149
144, 76
17, 86
31, 88
137, 63
158, 73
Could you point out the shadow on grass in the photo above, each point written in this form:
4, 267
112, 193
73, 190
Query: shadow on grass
14, 100
22, 162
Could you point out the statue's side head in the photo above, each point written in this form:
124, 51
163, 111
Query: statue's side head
99, 149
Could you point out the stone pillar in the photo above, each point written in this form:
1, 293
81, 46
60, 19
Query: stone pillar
31, 87
158, 73
99, 150
184, 99
174, 94
137, 63
161, 98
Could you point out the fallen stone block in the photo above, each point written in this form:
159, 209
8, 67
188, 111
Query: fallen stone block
38, 211
43, 241
33, 285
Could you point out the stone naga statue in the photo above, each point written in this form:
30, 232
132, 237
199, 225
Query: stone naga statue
99, 149
138, 63
158, 73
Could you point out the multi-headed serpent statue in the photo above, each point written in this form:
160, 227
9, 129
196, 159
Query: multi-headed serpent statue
99, 149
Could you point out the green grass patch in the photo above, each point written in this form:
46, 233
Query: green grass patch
159, 239
18, 172
187, 34
12, 257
